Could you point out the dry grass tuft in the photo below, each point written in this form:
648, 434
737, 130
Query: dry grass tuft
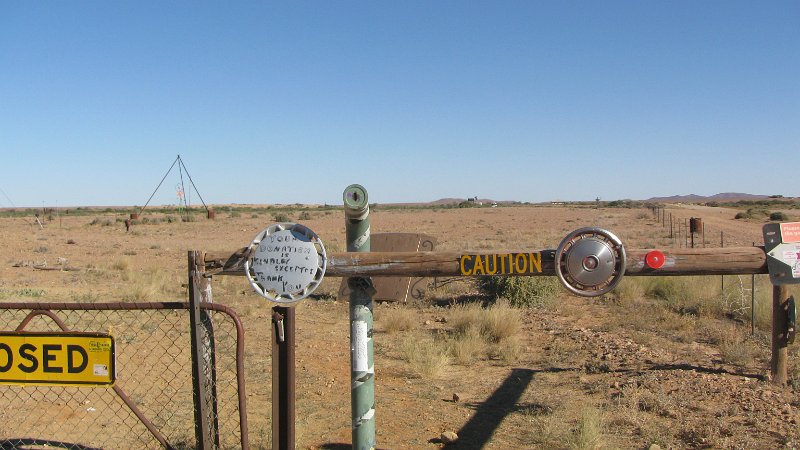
508, 350
629, 290
465, 318
396, 320
426, 357
589, 434
733, 344
500, 322
478, 331
495, 323
121, 265
148, 286
467, 347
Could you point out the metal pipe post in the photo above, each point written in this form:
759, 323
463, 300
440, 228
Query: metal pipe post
203, 356
362, 369
283, 378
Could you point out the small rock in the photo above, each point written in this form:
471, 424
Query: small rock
448, 437
456, 397
427, 322
654, 447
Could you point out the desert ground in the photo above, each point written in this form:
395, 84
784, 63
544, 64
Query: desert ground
636, 368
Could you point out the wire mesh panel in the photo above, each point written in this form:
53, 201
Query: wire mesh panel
150, 404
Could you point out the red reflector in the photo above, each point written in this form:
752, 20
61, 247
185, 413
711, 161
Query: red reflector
654, 259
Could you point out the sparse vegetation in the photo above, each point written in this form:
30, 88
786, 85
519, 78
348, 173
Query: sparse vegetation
753, 213
589, 432
527, 292
24, 292
491, 331
660, 360
779, 216
106, 222
426, 357
121, 265
467, 347
281, 217
395, 320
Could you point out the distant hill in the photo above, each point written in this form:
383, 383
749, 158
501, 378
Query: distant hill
455, 201
688, 198
447, 201
692, 198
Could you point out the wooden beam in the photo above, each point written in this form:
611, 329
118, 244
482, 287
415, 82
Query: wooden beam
680, 261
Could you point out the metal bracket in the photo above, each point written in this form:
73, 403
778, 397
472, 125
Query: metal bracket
277, 319
361, 283
791, 320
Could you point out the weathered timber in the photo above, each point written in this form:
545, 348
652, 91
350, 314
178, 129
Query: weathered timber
779, 363
678, 261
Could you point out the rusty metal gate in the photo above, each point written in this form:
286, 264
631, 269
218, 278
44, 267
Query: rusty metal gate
151, 403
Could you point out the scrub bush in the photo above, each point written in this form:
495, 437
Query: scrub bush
521, 292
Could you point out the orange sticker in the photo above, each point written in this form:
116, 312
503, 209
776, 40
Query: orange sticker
790, 232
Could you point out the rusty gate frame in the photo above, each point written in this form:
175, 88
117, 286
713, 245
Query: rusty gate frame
45, 309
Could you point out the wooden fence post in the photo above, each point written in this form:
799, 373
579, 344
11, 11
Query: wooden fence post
780, 339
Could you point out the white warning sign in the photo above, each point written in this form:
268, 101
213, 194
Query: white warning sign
788, 254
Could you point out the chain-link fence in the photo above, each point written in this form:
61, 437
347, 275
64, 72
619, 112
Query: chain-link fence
151, 403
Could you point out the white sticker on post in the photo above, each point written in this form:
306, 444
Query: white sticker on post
359, 352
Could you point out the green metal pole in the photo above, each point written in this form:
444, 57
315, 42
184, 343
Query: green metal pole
362, 369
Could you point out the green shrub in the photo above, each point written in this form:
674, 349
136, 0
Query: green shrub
281, 217
752, 213
779, 216
528, 292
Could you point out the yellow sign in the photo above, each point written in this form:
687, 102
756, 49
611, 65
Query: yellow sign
61, 359
501, 264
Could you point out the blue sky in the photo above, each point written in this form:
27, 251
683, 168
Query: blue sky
291, 102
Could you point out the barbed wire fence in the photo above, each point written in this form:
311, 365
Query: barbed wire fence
682, 231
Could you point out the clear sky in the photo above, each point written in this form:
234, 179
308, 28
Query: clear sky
416, 100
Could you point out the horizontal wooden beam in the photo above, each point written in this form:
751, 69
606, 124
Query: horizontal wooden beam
680, 261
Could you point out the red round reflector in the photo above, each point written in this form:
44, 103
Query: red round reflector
654, 259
